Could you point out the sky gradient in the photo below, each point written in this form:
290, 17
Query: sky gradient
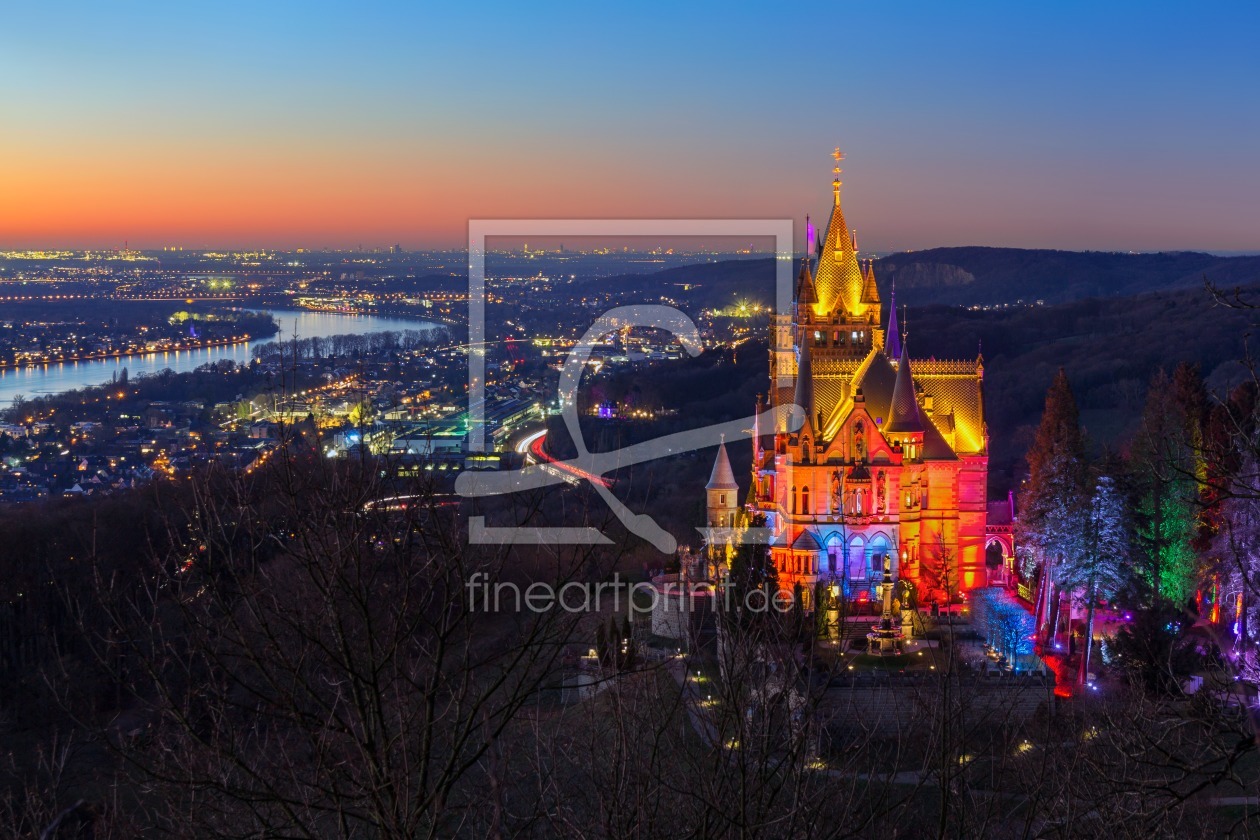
1133, 126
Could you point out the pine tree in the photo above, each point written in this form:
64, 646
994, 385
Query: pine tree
1165, 472
1096, 571
750, 567
1190, 396
1051, 520
1236, 552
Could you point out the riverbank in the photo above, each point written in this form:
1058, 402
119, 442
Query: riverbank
125, 354
69, 375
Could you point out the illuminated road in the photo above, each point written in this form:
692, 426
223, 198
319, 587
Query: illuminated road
533, 447
523, 448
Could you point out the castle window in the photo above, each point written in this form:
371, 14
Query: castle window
835, 556
722, 499
805, 501
793, 499
879, 550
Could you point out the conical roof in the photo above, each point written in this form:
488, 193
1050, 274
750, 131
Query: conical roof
904, 413
892, 343
870, 292
723, 477
804, 396
805, 294
838, 279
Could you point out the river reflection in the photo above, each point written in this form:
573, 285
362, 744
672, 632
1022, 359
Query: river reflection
66, 376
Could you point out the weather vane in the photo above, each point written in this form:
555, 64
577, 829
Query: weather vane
835, 182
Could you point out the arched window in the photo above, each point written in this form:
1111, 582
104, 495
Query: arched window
857, 559
793, 508
879, 550
835, 555
995, 554
805, 508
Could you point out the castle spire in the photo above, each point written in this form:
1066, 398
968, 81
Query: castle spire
893, 342
838, 278
904, 413
804, 396
836, 170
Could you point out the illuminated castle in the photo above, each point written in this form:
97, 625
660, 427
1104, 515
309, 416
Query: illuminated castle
892, 459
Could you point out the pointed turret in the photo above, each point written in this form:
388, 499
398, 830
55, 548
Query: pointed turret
805, 294
722, 493
870, 292
722, 477
804, 396
892, 344
904, 413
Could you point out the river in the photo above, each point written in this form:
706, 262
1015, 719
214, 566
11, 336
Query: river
66, 376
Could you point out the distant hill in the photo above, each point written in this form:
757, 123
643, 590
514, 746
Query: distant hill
976, 275
705, 285
1110, 347
1110, 319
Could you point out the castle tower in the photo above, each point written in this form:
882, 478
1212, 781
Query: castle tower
889, 467
722, 492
